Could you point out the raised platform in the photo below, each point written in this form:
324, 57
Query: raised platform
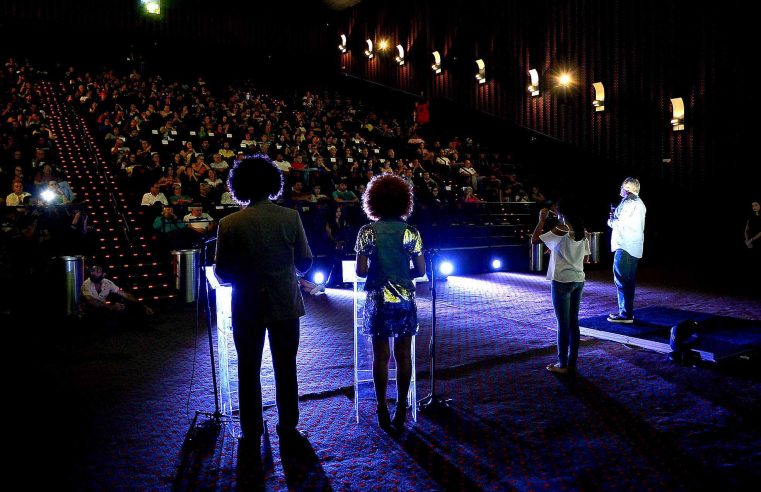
720, 337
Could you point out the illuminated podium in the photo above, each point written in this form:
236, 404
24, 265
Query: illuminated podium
227, 357
363, 351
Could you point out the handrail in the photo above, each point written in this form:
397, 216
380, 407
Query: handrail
73, 118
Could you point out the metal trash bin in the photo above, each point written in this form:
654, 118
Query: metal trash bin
185, 263
70, 271
536, 257
595, 240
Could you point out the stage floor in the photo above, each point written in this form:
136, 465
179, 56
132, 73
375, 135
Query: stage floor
112, 409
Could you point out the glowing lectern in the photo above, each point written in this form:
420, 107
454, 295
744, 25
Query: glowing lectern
227, 357
363, 350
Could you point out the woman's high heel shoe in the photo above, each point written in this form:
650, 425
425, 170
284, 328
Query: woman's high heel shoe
400, 416
384, 419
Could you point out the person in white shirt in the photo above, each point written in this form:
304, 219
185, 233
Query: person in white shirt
569, 250
199, 221
282, 164
153, 196
627, 239
102, 295
218, 164
18, 197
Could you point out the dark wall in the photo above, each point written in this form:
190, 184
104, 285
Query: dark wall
644, 53
282, 40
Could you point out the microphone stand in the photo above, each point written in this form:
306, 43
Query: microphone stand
432, 401
217, 417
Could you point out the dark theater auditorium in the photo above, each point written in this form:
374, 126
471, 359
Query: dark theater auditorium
381, 245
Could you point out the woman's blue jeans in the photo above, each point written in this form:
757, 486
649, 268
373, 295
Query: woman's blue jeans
566, 298
624, 273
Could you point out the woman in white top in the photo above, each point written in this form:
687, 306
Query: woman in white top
569, 250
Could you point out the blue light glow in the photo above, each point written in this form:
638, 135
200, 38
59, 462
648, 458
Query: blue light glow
446, 268
318, 278
496, 264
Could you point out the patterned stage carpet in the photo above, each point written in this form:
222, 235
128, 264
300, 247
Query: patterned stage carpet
110, 410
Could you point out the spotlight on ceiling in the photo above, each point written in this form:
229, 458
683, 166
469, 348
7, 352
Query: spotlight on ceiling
152, 7
565, 80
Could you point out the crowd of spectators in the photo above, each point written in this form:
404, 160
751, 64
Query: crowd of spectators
174, 143
34, 226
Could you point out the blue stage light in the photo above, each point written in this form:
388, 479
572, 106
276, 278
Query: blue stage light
496, 264
318, 277
446, 268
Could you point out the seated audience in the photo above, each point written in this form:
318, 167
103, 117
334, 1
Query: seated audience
343, 195
198, 221
18, 196
154, 196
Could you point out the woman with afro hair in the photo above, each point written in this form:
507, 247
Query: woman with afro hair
384, 250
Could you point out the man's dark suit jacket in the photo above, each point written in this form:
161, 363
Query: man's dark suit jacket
257, 249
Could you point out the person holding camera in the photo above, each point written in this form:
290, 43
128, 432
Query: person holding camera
172, 229
569, 250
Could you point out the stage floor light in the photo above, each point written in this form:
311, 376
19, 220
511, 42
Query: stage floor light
318, 277
496, 264
446, 268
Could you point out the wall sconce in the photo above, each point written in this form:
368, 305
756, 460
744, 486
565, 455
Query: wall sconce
599, 101
436, 62
399, 55
342, 45
677, 110
533, 87
369, 51
481, 75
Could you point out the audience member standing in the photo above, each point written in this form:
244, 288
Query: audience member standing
627, 239
384, 250
259, 251
753, 227
753, 242
569, 250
